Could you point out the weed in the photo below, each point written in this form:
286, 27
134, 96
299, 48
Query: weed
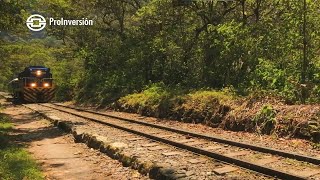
265, 120
316, 146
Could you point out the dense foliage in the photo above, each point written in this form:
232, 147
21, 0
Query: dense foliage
249, 45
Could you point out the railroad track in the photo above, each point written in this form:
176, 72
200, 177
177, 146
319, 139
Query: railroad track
5, 95
205, 145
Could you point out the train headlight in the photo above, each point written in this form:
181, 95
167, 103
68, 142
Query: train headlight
33, 85
46, 85
39, 73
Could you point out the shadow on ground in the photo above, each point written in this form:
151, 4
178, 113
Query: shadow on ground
28, 129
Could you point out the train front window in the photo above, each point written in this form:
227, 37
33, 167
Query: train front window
39, 73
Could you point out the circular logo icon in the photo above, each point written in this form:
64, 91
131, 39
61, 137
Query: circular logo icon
36, 22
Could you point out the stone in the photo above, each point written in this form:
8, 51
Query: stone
189, 173
176, 176
54, 117
103, 139
224, 170
119, 145
167, 171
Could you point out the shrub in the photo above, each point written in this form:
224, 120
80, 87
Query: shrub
265, 120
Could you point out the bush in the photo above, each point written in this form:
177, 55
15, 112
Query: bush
152, 96
161, 101
265, 120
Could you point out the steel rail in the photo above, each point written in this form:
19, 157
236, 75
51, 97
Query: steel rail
272, 151
231, 160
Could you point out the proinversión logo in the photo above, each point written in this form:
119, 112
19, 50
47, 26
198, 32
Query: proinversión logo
36, 22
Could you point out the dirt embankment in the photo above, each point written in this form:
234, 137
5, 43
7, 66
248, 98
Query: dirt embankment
265, 115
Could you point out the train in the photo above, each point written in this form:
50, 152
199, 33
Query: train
33, 85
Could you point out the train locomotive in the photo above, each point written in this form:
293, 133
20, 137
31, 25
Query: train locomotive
33, 85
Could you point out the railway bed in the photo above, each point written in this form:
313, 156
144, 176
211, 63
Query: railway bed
215, 153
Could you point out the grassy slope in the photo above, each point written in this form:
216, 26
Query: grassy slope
264, 114
15, 161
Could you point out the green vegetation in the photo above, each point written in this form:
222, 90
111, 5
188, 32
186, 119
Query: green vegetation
232, 64
316, 145
15, 162
195, 106
5, 126
152, 97
262, 114
266, 120
204, 98
252, 46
